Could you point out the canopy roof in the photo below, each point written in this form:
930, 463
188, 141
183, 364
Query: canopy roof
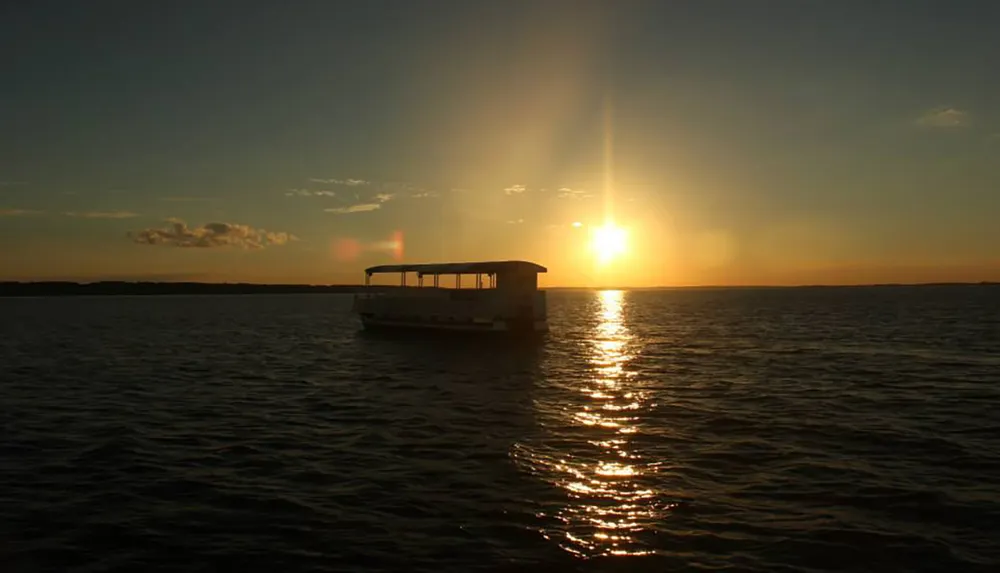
485, 267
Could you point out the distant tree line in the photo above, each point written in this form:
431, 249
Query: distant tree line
58, 288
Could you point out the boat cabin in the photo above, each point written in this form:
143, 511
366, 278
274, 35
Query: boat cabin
501, 295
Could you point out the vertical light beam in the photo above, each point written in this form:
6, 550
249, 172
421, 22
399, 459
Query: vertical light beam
609, 179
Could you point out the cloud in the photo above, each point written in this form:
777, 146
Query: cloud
12, 183
359, 208
515, 189
567, 193
308, 193
186, 199
209, 235
17, 212
944, 117
371, 205
102, 214
515, 221
365, 195
347, 182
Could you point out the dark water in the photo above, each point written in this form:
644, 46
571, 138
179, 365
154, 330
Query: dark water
852, 429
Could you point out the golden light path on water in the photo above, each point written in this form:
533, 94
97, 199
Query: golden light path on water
608, 485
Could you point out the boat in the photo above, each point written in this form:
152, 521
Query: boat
503, 298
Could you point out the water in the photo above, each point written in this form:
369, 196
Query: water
850, 429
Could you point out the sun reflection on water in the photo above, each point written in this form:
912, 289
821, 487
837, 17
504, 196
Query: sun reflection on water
611, 501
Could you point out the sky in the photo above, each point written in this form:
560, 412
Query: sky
731, 142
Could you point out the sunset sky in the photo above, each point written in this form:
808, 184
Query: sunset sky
733, 142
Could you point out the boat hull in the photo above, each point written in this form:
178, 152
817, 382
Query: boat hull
374, 323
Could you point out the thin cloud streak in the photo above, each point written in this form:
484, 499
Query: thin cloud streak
18, 212
359, 208
567, 193
364, 194
944, 117
347, 182
371, 205
210, 235
102, 214
309, 193
515, 190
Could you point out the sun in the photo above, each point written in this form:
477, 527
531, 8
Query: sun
609, 242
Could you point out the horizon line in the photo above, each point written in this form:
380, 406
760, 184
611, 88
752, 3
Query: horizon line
53, 282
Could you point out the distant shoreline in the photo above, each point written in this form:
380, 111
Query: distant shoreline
140, 288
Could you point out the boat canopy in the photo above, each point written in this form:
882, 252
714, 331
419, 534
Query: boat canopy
480, 267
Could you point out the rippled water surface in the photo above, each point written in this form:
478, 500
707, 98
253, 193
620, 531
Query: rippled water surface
851, 429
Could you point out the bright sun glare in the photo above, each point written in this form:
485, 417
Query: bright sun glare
609, 242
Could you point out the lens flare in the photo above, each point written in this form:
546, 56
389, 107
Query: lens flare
397, 251
348, 249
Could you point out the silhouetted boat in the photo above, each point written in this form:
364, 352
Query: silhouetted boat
505, 298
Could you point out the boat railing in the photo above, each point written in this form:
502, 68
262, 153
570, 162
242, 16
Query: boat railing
426, 291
